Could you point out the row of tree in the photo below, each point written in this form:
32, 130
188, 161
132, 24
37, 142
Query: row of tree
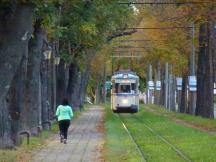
189, 50
182, 35
32, 85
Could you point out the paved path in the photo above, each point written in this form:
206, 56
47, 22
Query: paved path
85, 141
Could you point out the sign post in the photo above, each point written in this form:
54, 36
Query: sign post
150, 91
158, 85
179, 82
192, 93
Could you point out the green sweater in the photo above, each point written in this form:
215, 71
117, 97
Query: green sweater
64, 112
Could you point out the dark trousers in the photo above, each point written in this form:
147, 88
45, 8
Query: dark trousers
63, 127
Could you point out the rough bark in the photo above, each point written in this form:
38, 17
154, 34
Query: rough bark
98, 90
183, 104
61, 80
158, 78
162, 94
15, 33
33, 94
89, 56
72, 89
205, 74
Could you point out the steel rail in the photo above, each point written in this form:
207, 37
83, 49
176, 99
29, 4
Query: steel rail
180, 153
133, 140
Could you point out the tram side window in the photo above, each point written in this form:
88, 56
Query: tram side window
133, 88
117, 88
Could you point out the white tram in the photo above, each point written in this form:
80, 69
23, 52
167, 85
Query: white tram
124, 92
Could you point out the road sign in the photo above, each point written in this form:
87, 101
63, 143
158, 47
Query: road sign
158, 85
192, 83
179, 83
151, 85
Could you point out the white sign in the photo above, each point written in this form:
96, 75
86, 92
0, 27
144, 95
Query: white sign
158, 85
192, 83
151, 85
214, 91
214, 88
179, 83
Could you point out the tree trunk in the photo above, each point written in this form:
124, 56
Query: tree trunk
158, 78
183, 104
53, 83
89, 53
97, 90
61, 82
205, 74
33, 82
15, 33
74, 84
163, 84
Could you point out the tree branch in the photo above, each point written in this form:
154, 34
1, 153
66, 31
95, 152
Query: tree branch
120, 34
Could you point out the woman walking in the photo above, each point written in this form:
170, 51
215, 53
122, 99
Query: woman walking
64, 113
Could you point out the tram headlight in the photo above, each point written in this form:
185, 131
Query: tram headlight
124, 101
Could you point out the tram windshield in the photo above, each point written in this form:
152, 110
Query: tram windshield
125, 88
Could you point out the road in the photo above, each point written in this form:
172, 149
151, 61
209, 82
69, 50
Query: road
85, 141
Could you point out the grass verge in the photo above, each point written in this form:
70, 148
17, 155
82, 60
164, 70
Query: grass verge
195, 144
199, 146
118, 145
209, 124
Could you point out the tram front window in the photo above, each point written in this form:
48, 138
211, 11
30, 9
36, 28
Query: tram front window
124, 88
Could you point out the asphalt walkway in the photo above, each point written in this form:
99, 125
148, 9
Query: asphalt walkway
85, 141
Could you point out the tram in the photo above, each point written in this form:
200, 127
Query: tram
124, 92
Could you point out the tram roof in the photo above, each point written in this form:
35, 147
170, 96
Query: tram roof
125, 75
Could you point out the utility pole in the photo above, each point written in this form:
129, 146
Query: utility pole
192, 94
166, 84
158, 84
150, 84
112, 62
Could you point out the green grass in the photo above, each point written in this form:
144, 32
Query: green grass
199, 146
209, 123
118, 145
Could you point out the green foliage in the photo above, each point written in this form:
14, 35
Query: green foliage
88, 24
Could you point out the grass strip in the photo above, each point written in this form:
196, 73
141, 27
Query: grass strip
197, 120
118, 145
199, 146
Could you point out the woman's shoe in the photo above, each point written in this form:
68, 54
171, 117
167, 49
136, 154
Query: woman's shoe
65, 141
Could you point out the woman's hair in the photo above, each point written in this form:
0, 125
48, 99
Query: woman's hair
65, 102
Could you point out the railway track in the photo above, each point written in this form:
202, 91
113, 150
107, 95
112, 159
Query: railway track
145, 124
133, 140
